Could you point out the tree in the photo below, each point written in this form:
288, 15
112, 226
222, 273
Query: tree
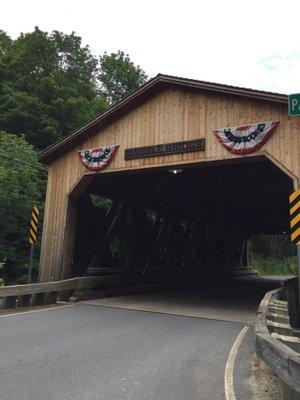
21, 181
119, 76
48, 85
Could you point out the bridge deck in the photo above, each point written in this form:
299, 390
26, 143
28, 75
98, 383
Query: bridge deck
236, 301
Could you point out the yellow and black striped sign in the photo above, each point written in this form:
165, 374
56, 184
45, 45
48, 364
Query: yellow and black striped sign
295, 216
33, 225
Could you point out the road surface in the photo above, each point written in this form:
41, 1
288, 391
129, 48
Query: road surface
91, 352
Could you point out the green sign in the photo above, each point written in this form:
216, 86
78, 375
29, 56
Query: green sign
294, 104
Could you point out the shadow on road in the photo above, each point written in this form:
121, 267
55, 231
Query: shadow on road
235, 301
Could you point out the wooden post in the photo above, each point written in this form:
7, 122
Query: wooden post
38, 299
9, 302
24, 300
69, 239
50, 297
129, 233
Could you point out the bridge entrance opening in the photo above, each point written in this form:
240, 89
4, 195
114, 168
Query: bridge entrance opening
187, 171
181, 224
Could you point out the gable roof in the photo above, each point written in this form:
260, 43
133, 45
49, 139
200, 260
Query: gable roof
152, 86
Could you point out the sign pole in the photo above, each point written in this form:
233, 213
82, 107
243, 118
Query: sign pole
30, 263
295, 229
298, 257
294, 110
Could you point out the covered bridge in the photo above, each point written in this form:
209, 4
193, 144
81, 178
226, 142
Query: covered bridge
189, 170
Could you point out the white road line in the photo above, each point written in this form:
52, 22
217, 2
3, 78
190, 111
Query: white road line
35, 311
228, 378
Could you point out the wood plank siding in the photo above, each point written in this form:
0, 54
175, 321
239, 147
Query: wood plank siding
173, 114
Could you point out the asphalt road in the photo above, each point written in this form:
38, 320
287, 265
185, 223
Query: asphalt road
93, 352
89, 352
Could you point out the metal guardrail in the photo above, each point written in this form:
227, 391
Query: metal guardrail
283, 360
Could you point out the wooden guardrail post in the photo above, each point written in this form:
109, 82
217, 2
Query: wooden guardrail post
64, 295
24, 300
9, 302
37, 299
50, 297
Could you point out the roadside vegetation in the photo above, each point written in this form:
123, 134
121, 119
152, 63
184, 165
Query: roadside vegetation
50, 85
273, 255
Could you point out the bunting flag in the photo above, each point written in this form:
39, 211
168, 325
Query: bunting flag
99, 158
245, 139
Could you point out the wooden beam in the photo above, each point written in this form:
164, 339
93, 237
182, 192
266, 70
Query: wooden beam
99, 252
158, 229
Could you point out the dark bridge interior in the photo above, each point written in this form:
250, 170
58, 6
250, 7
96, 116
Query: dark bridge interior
179, 223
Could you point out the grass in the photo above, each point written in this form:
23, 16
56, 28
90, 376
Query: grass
286, 266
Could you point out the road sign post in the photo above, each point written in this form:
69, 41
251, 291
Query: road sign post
32, 237
30, 263
295, 228
294, 104
298, 256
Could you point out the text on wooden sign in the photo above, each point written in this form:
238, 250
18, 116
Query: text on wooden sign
165, 149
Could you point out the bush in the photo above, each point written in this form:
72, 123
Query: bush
264, 266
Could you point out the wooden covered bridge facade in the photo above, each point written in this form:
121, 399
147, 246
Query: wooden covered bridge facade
189, 170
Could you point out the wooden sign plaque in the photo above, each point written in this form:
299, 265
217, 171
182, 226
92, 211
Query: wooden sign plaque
165, 149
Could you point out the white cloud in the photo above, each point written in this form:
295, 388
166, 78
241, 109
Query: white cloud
281, 72
252, 44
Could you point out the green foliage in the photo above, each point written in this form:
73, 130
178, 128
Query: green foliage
264, 266
273, 255
48, 85
116, 248
51, 84
119, 76
2, 263
21, 181
152, 215
101, 202
272, 246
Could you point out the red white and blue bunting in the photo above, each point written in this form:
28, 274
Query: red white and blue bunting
245, 139
98, 158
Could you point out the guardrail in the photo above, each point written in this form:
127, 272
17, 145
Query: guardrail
269, 337
81, 288
49, 292
291, 286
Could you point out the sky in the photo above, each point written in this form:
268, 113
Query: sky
253, 44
